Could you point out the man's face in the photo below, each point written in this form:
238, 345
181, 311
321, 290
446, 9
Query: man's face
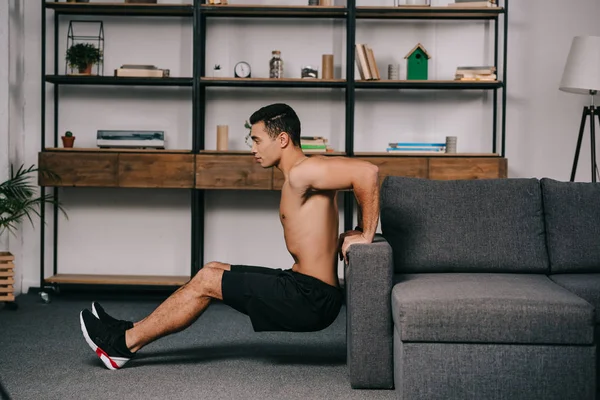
266, 150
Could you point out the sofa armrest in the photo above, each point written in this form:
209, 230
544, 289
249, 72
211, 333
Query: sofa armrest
368, 279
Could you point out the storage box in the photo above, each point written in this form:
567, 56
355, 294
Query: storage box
7, 277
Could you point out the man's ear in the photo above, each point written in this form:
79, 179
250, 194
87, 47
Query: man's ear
284, 139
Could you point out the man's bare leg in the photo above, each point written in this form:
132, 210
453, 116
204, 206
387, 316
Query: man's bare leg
178, 311
212, 264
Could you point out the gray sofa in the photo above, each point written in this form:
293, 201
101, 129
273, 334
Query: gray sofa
478, 289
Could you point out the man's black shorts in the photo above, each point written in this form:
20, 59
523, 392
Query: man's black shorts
281, 300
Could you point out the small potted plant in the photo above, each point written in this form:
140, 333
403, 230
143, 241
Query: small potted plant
82, 56
217, 71
68, 139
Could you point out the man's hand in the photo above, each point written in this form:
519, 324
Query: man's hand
349, 238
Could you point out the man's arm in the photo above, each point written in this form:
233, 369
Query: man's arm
341, 173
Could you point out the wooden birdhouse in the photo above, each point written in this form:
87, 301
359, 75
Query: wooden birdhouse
417, 63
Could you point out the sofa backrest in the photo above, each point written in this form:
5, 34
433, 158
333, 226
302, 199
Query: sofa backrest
490, 225
572, 214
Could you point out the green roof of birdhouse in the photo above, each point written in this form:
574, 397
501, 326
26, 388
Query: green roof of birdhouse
418, 46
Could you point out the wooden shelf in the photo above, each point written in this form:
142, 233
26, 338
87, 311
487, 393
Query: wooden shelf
212, 169
260, 11
270, 82
248, 153
84, 279
97, 150
122, 9
415, 12
427, 84
117, 80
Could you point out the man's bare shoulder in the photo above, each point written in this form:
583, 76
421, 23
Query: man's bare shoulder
300, 175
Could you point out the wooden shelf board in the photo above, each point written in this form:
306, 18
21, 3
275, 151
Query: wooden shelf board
265, 11
268, 82
97, 150
110, 8
108, 80
248, 153
421, 12
426, 84
149, 280
419, 154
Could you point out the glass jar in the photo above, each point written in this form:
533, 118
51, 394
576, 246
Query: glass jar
276, 65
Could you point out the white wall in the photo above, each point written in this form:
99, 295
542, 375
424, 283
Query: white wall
4, 124
147, 231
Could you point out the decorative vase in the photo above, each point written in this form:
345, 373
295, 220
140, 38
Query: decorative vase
217, 73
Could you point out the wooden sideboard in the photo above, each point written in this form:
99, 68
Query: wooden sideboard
232, 170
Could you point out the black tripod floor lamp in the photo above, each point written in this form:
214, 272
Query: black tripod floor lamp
582, 76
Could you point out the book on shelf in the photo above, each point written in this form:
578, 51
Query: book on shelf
141, 71
416, 147
473, 3
366, 63
314, 144
475, 73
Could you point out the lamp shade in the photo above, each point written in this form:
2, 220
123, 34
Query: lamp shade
582, 70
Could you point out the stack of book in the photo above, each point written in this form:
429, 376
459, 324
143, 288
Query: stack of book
145, 71
468, 73
314, 144
473, 3
365, 60
412, 147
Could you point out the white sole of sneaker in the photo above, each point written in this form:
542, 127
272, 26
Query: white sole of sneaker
112, 363
94, 311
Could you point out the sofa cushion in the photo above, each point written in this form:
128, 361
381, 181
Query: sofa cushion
489, 308
572, 214
586, 286
491, 225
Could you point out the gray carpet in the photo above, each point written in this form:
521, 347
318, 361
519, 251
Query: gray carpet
43, 356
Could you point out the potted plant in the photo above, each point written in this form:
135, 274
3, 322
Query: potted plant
217, 71
18, 200
82, 56
68, 139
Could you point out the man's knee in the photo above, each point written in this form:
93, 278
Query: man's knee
207, 283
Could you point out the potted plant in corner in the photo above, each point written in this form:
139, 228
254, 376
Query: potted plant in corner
217, 71
68, 139
18, 200
82, 56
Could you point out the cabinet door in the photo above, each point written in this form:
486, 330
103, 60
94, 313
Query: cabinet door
78, 169
467, 168
399, 166
231, 172
156, 170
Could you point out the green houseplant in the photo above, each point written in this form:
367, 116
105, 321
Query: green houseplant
82, 56
18, 200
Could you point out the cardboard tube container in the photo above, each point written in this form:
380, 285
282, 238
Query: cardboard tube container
222, 137
327, 66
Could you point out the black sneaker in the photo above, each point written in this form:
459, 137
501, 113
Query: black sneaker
108, 320
107, 342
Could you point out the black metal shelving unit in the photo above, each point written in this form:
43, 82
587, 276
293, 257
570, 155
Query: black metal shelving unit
200, 12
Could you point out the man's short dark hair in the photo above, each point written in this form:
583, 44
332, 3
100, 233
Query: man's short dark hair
279, 118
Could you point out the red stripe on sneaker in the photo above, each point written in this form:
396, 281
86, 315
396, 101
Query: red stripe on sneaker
101, 352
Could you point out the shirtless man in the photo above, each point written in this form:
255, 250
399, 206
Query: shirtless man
304, 298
